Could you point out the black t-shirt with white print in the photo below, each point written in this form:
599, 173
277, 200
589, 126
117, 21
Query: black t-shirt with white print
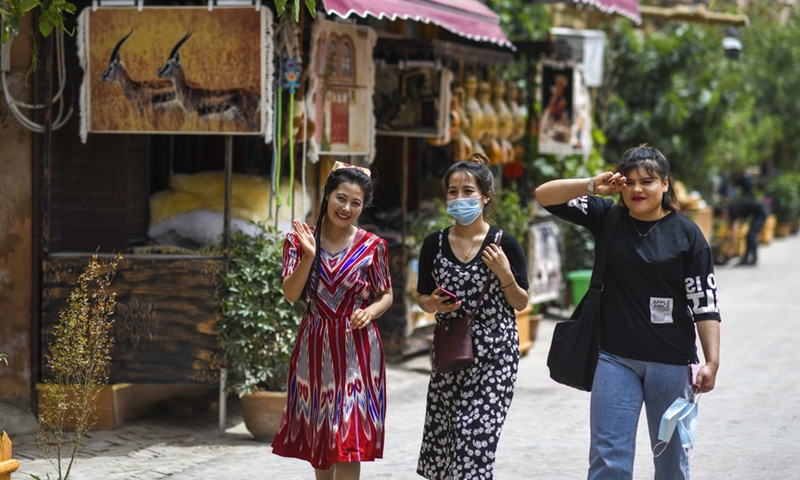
656, 286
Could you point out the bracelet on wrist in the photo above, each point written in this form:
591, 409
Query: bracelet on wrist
512, 283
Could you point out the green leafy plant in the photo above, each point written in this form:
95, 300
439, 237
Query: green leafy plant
424, 222
258, 326
311, 5
51, 15
511, 215
77, 365
784, 193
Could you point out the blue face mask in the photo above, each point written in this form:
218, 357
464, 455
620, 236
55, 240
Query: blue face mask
464, 210
680, 416
687, 426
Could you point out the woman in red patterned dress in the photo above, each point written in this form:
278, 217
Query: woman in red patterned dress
336, 405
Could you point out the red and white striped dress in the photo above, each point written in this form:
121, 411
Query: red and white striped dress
336, 402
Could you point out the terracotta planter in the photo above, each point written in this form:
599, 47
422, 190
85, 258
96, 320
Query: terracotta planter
768, 232
262, 412
782, 230
524, 328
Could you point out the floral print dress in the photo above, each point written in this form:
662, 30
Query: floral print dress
466, 409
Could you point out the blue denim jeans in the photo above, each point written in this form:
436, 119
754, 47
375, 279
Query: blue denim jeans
620, 387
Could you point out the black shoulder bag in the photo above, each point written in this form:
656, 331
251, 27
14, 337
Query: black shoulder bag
574, 348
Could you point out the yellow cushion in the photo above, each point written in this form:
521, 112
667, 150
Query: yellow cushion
206, 191
166, 204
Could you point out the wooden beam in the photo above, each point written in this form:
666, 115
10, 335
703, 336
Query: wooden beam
683, 13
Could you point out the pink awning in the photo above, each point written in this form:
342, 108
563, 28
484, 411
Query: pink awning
626, 8
467, 18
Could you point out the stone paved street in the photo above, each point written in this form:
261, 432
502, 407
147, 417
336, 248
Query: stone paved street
749, 427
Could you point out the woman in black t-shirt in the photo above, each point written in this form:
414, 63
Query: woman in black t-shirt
659, 293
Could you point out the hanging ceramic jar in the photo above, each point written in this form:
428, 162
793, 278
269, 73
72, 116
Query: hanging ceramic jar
513, 94
505, 122
489, 141
462, 145
476, 121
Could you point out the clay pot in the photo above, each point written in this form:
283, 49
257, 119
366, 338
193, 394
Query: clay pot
262, 412
477, 123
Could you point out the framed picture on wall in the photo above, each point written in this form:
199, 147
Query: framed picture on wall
565, 125
412, 102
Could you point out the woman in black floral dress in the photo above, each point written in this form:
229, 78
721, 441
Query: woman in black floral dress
466, 408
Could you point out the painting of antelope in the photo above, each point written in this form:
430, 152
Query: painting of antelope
176, 70
146, 96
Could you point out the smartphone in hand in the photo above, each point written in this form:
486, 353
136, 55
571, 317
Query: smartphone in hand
451, 296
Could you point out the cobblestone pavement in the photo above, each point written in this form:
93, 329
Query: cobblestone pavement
749, 427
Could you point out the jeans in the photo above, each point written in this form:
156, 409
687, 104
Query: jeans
620, 387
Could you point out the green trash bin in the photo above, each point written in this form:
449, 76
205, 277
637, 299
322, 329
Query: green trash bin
580, 280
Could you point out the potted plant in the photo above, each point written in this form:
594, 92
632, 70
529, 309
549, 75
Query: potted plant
257, 328
511, 215
784, 194
77, 367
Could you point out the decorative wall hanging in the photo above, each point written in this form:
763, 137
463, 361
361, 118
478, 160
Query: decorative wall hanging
165, 70
289, 59
342, 82
565, 127
413, 102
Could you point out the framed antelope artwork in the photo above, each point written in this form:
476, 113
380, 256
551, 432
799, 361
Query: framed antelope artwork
174, 70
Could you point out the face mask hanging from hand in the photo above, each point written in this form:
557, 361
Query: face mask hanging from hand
464, 210
680, 416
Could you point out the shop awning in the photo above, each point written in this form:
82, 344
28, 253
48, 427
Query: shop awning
626, 8
467, 18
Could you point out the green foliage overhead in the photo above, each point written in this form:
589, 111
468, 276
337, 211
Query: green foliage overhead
51, 15
258, 327
770, 82
674, 88
666, 89
522, 19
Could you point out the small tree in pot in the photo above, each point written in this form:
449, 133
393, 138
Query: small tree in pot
784, 194
258, 326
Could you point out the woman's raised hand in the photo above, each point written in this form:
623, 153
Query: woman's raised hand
608, 183
495, 258
305, 237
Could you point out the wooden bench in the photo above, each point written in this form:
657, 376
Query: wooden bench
7, 464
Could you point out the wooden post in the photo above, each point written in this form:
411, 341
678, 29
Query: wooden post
7, 464
226, 228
